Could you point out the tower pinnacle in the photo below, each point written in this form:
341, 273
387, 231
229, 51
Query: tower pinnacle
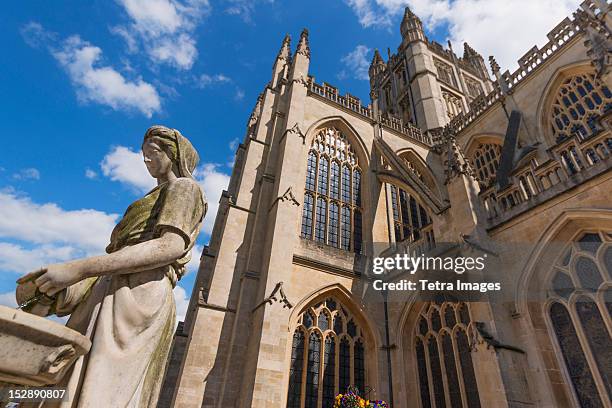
412, 27
303, 46
285, 50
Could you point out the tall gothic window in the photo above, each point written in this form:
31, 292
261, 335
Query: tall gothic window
453, 104
474, 88
444, 362
411, 220
332, 212
580, 101
580, 310
486, 161
327, 356
445, 73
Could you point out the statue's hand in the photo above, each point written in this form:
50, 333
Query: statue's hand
56, 277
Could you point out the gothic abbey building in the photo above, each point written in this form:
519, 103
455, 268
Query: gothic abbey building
518, 163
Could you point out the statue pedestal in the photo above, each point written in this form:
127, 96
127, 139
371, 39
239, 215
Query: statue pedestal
36, 351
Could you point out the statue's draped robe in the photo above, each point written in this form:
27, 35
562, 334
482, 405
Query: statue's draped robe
130, 317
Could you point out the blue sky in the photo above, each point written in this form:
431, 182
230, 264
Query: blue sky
82, 81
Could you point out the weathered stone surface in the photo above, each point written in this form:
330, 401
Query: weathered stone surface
36, 351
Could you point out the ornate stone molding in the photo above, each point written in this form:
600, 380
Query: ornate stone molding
303, 46
456, 164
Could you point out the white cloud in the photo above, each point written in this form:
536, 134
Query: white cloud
233, 144
357, 63
8, 299
243, 8
90, 174
493, 27
166, 29
103, 84
213, 182
27, 174
16, 258
239, 95
127, 166
48, 224
207, 80
182, 303
194, 263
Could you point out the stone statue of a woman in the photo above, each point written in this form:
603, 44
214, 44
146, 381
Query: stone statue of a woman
124, 300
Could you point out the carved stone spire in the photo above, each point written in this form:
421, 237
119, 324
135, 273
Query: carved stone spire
412, 27
303, 47
254, 118
494, 65
376, 67
469, 52
285, 51
472, 57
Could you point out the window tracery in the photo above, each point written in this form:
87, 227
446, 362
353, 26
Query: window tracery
445, 73
579, 311
443, 358
411, 220
453, 104
486, 160
332, 212
474, 88
327, 355
580, 101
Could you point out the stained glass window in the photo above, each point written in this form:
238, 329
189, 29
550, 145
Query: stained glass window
575, 361
436, 373
579, 287
312, 370
329, 373
307, 216
410, 219
580, 100
422, 369
338, 355
486, 160
333, 186
295, 371
449, 382
452, 378
359, 366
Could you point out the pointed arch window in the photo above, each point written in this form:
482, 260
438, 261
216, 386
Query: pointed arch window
443, 357
581, 99
579, 315
333, 193
411, 221
486, 159
326, 358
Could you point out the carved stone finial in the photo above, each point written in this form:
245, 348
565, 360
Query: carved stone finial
285, 51
494, 65
303, 46
469, 52
598, 43
254, 118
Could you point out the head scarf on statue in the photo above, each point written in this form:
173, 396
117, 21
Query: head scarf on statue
180, 150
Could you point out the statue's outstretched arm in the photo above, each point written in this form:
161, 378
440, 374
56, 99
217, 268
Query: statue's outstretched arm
135, 258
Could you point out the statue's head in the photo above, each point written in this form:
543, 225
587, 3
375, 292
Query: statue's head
164, 149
